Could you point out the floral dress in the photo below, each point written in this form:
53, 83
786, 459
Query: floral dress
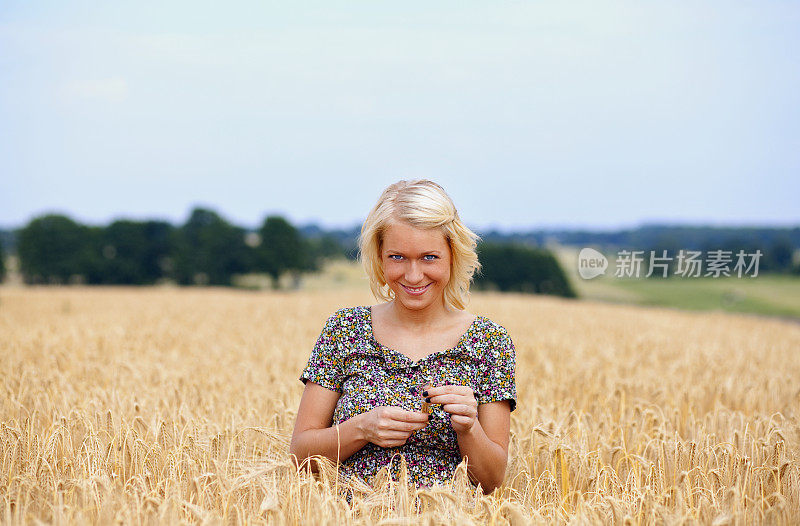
348, 359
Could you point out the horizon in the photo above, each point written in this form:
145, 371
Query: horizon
481, 228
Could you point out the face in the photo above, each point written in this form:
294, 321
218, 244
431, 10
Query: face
416, 264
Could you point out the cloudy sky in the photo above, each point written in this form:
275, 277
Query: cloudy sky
530, 113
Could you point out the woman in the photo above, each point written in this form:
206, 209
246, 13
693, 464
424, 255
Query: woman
416, 376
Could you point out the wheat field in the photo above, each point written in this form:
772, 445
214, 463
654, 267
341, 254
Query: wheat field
165, 405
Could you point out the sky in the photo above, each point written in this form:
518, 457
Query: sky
531, 114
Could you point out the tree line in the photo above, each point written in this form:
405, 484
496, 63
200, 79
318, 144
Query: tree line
205, 250
209, 250
779, 246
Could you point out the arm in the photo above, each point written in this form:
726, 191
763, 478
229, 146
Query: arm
485, 445
482, 431
485, 441
313, 433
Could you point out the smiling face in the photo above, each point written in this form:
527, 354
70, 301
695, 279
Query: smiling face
416, 264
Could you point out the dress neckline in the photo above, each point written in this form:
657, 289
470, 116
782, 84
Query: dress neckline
461, 340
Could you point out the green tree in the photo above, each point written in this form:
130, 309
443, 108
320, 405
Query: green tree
778, 256
55, 249
281, 249
321, 247
123, 244
158, 258
209, 250
520, 268
2, 264
136, 253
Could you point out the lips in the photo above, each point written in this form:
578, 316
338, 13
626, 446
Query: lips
415, 291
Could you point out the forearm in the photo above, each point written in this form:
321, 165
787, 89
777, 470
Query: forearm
335, 444
486, 459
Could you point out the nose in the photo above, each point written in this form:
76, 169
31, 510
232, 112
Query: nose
414, 274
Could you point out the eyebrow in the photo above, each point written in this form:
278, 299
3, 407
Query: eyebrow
424, 252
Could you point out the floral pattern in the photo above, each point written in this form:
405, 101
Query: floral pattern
348, 359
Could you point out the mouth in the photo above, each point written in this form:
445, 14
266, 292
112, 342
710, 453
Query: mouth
415, 291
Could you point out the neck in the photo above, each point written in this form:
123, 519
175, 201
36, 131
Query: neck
420, 318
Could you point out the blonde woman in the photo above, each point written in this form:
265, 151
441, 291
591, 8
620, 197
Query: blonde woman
415, 376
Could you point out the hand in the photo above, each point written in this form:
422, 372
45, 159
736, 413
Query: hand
389, 426
458, 400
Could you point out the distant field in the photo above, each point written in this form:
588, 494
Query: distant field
176, 405
765, 294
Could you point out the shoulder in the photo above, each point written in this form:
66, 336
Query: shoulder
345, 315
346, 319
494, 336
490, 327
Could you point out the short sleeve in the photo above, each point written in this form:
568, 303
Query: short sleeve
498, 364
324, 366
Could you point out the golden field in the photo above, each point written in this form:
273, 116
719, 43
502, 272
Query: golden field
165, 405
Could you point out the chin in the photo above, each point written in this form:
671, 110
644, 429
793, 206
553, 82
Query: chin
430, 296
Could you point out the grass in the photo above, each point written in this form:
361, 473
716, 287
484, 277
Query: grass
766, 294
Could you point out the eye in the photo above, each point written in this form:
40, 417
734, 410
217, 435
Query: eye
392, 256
431, 256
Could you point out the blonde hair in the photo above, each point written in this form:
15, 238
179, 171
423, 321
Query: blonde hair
422, 204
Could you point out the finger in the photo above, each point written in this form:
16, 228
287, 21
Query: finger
449, 389
407, 427
417, 417
417, 421
460, 409
407, 416
432, 391
461, 420
444, 389
441, 389
394, 435
452, 399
